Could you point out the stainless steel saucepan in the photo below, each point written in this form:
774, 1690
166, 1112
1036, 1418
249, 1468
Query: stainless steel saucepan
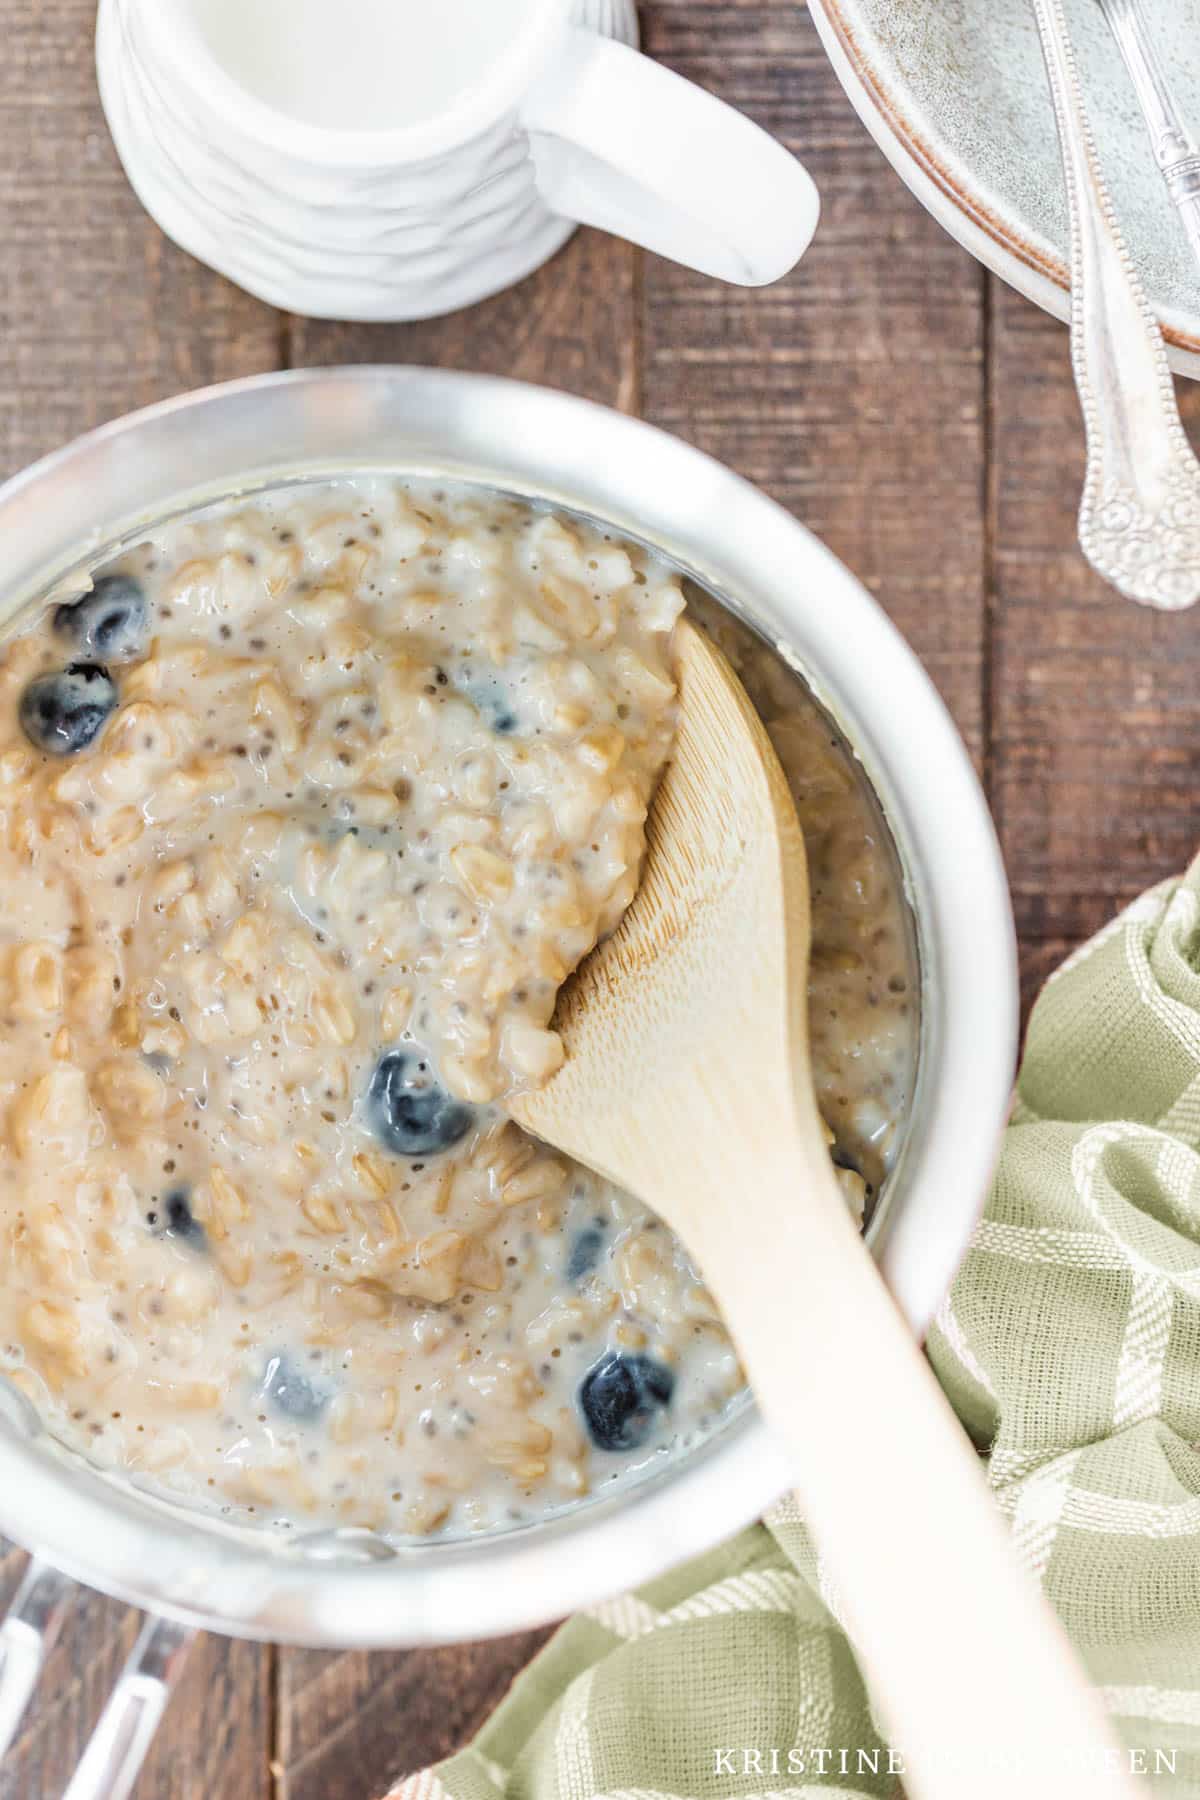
191, 1571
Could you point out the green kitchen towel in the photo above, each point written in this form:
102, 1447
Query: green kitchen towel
1070, 1348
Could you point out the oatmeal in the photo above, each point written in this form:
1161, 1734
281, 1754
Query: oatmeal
307, 808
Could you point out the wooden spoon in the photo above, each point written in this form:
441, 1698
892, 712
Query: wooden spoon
687, 1081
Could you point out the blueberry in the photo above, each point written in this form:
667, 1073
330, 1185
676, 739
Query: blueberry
181, 1221
64, 713
488, 692
585, 1253
174, 1218
293, 1393
620, 1396
409, 1111
109, 622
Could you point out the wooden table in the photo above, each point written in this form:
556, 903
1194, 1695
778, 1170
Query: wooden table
906, 405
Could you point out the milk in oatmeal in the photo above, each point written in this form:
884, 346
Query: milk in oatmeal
307, 809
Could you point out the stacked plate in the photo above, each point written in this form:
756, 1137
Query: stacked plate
955, 94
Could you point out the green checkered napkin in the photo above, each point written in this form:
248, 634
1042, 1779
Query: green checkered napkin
1070, 1347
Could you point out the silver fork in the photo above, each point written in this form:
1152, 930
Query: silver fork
1139, 518
1175, 148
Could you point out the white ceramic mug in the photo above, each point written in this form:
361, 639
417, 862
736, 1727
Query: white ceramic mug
396, 159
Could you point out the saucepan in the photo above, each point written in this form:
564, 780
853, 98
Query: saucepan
190, 1571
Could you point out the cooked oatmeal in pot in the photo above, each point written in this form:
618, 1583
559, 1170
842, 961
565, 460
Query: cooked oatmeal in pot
307, 808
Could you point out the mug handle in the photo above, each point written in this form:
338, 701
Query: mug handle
620, 142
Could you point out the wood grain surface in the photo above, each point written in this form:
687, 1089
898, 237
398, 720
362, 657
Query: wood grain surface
908, 407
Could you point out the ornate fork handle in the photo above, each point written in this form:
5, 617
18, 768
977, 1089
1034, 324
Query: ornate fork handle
1175, 148
1139, 518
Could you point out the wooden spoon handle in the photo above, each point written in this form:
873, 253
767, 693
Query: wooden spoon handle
964, 1655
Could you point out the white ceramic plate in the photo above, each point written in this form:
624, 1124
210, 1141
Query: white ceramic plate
954, 93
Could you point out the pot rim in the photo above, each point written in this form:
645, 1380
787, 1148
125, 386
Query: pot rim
65, 510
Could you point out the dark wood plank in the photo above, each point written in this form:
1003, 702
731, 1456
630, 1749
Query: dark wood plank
1095, 759
353, 1725
217, 1740
853, 391
98, 314
570, 325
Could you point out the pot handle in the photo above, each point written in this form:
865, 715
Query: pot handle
117, 1748
26, 1636
622, 143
